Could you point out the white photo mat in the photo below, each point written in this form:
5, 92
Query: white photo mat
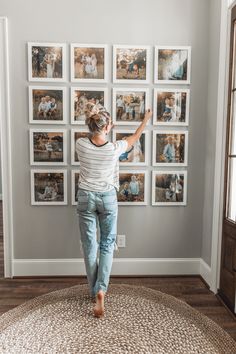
46, 79
31, 104
117, 90
37, 163
130, 171
170, 164
48, 171
131, 81
87, 80
155, 102
171, 172
159, 81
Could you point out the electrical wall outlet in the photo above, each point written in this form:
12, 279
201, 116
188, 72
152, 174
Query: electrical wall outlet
121, 240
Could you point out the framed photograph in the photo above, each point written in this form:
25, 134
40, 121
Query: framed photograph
48, 187
131, 64
47, 62
74, 186
48, 146
137, 154
80, 96
169, 188
170, 148
133, 187
76, 134
89, 62
129, 105
172, 65
47, 105
171, 107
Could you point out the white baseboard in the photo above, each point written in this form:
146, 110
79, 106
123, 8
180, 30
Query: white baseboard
205, 272
121, 266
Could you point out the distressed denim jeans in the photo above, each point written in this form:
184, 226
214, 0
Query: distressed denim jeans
93, 209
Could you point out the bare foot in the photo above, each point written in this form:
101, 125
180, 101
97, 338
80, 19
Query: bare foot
99, 307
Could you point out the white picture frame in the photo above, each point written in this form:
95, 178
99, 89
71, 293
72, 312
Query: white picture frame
51, 69
121, 90
169, 133
49, 148
86, 89
167, 193
130, 132
46, 173
121, 195
147, 59
74, 172
158, 79
32, 104
176, 91
105, 64
73, 141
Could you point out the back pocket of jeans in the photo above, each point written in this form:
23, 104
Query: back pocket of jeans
110, 202
82, 203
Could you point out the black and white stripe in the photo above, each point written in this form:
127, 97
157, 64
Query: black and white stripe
99, 165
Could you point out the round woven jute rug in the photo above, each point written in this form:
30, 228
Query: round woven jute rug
137, 320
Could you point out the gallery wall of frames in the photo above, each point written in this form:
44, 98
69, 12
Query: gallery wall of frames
49, 104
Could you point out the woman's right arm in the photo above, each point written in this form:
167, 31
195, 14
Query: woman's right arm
133, 138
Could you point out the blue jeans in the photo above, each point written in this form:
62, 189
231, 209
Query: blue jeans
97, 208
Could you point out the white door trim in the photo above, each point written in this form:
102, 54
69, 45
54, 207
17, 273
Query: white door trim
220, 143
5, 131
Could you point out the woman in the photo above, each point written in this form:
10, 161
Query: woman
97, 197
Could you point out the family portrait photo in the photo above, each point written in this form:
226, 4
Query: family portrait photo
131, 64
169, 187
47, 147
48, 187
171, 107
172, 64
129, 105
46, 61
79, 99
170, 148
88, 63
74, 186
75, 135
132, 188
136, 155
47, 105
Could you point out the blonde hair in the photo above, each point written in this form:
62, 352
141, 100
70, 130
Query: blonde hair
97, 118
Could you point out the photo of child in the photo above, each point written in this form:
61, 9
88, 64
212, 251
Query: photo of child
46, 105
169, 188
171, 107
129, 106
132, 188
170, 148
48, 188
47, 147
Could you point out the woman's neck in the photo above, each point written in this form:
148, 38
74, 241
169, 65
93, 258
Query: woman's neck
98, 139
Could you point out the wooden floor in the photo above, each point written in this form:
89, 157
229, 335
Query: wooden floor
191, 289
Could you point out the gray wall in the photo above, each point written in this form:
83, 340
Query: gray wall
210, 126
52, 232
